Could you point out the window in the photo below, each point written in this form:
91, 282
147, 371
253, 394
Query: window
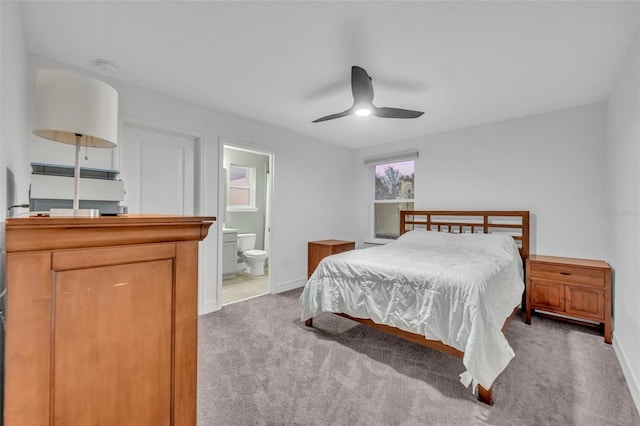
394, 187
242, 188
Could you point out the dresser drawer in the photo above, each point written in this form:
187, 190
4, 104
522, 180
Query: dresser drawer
568, 274
343, 247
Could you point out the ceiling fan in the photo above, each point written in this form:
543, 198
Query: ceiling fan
362, 90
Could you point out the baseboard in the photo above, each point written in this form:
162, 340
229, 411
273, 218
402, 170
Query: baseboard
289, 285
208, 307
632, 380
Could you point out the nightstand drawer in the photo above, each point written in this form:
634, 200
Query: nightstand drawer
568, 274
342, 248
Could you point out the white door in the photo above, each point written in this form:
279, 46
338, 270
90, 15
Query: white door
158, 171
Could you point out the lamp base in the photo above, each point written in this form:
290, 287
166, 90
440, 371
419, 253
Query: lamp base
74, 213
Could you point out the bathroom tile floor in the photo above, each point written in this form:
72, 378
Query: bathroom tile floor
244, 286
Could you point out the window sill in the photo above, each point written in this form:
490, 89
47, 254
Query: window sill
241, 209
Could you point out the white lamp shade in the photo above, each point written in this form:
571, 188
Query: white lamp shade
69, 104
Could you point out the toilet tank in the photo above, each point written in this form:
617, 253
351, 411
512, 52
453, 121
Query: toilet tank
246, 242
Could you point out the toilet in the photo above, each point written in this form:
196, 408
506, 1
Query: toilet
253, 258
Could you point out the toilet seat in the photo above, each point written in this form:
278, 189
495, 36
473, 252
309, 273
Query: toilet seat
255, 261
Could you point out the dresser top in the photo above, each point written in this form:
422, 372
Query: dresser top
55, 233
589, 263
123, 219
331, 242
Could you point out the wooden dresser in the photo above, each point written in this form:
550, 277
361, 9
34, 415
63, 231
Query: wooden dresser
576, 288
318, 250
102, 320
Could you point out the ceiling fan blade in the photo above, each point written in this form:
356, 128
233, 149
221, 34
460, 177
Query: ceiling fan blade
332, 116
385, 112
361, 85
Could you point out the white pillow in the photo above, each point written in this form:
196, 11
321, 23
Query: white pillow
427, 238
475, 241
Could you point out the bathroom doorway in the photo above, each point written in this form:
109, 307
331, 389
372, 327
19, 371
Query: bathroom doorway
246, 216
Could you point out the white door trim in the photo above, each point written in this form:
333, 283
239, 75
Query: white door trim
271, 153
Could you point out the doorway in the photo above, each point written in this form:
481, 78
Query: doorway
246, 216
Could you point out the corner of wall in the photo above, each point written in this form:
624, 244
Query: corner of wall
13, 110
622, 152
633, 382
13, 147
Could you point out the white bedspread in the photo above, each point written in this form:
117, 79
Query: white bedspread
456, 288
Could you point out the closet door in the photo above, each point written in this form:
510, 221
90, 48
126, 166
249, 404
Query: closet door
158, 170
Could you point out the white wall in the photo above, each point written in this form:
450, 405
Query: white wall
550, 164
13, 147
312, 179
14, 168
623, 205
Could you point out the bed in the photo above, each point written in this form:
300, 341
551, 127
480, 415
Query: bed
452, 282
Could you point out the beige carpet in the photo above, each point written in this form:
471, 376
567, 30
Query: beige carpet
258, 365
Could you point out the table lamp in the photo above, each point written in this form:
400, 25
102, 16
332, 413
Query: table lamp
78, 110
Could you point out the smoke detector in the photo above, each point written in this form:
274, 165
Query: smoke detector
106, 66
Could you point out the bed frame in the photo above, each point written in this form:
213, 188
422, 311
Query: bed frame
514, 223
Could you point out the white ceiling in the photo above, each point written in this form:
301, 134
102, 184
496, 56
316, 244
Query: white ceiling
288, 63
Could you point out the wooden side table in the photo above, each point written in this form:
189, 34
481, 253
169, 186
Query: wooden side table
576, 288
318, 250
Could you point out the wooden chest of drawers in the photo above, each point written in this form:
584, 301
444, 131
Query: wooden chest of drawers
575, 288
102, 320
318, 250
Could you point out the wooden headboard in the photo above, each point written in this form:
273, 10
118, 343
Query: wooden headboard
511, 222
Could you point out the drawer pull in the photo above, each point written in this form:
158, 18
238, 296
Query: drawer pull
565, 273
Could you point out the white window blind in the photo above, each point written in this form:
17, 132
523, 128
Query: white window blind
391, 158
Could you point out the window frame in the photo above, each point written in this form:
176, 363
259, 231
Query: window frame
251, 187
372, 238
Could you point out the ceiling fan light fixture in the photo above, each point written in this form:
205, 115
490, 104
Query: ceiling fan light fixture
362, 91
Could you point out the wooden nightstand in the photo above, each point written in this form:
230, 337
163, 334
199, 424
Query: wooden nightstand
318, 250
576, 288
